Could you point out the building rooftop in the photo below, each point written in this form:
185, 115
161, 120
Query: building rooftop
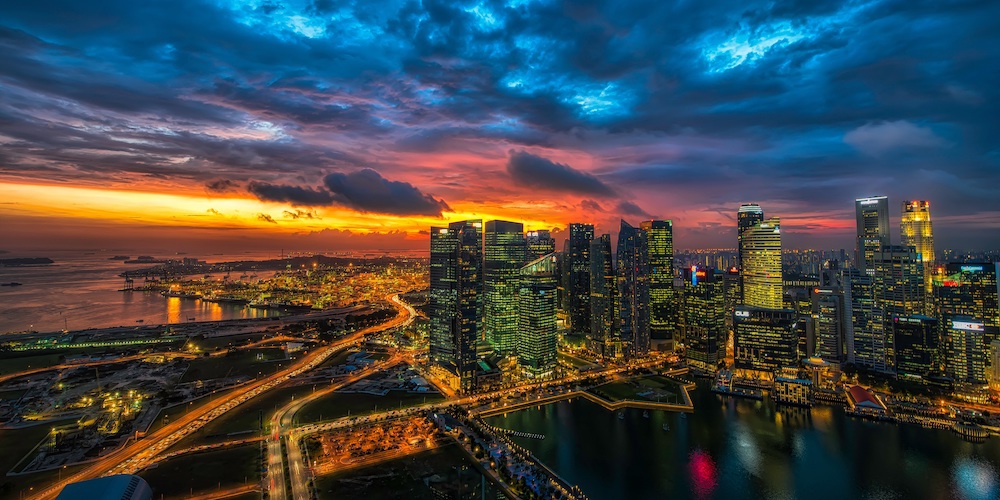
117, 487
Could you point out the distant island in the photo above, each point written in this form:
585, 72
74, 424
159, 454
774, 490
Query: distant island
26, 261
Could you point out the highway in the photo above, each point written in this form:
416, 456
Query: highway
142, 453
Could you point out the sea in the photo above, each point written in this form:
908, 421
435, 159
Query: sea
81, 291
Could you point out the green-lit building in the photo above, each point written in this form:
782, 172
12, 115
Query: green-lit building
536, 324
504, 252
662, 302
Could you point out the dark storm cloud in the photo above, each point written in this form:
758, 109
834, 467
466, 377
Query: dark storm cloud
222, 185
806, 104
630, 208
367, 191
295, 195
532, 171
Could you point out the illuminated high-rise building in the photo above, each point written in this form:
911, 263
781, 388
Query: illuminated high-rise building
867, 345
766, 339
969, 289
536, 323
748, 215
965, 349
873, 229
504, 252
540, 243
456, 299
993, 372
578, 276
605, 335
830, 324
704, 318
733, 297
916, 340
662, 303
899, 281
633, 291
762, 285
915, 231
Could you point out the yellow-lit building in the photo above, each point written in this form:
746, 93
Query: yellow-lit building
915, 228
762, 285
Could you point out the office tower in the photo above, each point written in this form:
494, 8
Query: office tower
662, 304
578, 286
762, 285
766, 339
968, 289
965, 349
504, 252
899, 281
733, 297
830, 324
873, 229
455, 300
748, 215
916, 340
633, 291
605, 335
704, 318
536, 324
915, 231
540, 243
866, 341
993, 372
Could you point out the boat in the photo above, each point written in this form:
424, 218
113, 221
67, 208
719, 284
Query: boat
12, 283
666, 427
120, 257
621, 415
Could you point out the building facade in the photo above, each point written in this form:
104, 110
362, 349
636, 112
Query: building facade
605, 333
578, 276
872, 229
633, 291
765, 340
748, 215
762, 280
504, 252
704, 318
915, 231
536, 324
455, 302
916, 339
662, 302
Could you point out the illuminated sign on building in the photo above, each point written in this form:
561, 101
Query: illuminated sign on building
966, 325
971, 269
742, 314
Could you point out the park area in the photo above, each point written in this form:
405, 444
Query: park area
649, 388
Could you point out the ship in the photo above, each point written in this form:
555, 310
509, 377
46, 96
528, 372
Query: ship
120, 257
12, 283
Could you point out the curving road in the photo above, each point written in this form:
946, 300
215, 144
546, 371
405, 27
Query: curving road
142, 453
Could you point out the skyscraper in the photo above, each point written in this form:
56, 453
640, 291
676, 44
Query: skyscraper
662, 304
916, 340
455, 299
748, 215
915, 230
965, 347
704, 318
605, 335
899, 281
873, 229
867, 345
536, 323
766, 339
762, 285
969, 289
830, 324
633, 290
540, 243
504, 252
578, 286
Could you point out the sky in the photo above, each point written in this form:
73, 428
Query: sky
326, 125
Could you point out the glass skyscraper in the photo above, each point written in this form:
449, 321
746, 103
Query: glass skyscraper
704, 318
748, 215
536, 323
633, 290
578, 276
605, 335
662, 303
540, 243
872, 229
455, 300
762, 284
504, 252
915, 231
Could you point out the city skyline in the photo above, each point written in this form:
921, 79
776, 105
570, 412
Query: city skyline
265, 125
